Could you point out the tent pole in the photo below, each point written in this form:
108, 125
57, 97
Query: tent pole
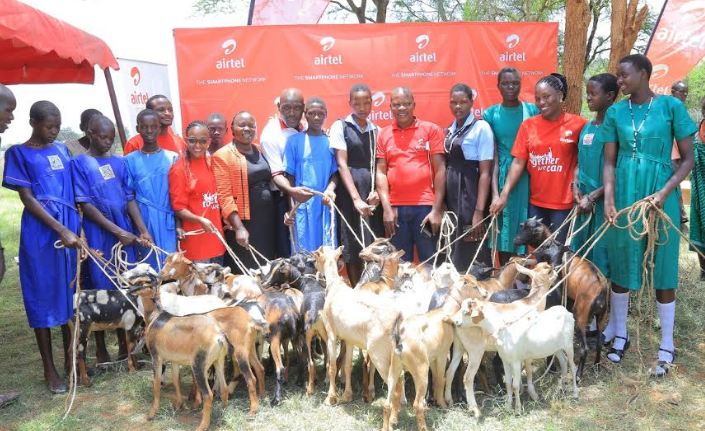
116, 109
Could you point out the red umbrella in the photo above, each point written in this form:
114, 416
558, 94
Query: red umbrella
36, 48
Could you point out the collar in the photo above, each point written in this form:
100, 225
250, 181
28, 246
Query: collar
413, 125
468, 120
283, 125
370, 125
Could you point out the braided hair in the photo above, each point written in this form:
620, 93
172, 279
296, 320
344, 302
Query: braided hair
557, 82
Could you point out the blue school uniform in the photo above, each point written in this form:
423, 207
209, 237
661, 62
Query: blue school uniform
310, 161
102, 182
46, 272
148, 176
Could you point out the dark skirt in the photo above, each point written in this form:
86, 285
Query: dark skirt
351, 248
261, 227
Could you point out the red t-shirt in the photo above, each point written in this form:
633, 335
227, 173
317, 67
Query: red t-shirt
170, 141
550, 149
407, 153
196, 192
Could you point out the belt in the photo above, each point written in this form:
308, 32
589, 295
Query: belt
644, 156
153, 205
45, 197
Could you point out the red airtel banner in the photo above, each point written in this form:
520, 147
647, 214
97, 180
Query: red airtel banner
677, 44
245, 68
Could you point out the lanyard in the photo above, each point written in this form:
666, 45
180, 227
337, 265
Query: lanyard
635, 129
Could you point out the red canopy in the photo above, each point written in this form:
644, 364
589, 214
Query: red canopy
36, 48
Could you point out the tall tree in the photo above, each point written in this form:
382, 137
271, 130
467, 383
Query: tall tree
578, 15
627, 21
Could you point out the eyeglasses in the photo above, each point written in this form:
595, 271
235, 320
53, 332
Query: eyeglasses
194, 141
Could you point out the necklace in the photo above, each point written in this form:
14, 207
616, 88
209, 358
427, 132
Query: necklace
635, 129
149, 153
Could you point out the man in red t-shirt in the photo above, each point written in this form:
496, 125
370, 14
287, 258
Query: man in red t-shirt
411, 177
166, 139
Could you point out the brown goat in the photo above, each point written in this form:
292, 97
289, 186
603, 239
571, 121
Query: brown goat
178, 267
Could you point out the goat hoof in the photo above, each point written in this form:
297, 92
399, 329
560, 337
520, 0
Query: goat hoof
330, 400
346, 398
275, 402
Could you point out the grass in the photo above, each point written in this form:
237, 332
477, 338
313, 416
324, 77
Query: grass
611, 397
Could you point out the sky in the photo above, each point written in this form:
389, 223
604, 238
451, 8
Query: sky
133, 29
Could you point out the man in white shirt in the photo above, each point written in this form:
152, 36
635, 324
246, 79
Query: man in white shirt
273, 142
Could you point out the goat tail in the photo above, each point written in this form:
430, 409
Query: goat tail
600, 308
396, 334
311, 318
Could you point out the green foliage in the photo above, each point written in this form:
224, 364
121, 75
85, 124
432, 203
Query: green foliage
67, 134
696, 90
208, 7
477, 10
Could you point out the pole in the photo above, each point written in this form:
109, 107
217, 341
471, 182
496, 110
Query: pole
251, 13
116, 109
658, 20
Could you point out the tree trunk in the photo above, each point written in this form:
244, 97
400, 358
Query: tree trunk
577, 13
626, 23
381, 10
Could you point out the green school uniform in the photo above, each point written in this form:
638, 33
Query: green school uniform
590, 158
697, 194
643, 167
505, 123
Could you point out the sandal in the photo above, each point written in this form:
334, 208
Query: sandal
663, 367
618, 352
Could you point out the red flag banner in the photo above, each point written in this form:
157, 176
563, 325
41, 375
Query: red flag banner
246, 68
677, 44
287, 11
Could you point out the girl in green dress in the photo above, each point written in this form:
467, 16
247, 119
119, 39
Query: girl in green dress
638, 133
505, 119
602, 91
697, 195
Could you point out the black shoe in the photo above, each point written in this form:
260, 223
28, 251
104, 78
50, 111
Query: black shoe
618, 352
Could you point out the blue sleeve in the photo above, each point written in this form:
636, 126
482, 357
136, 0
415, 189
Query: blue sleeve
533, 109
129, 176
485, 142
683, 125
333, 164
81, 184
608, 130
290, 155
16, 174
125, 180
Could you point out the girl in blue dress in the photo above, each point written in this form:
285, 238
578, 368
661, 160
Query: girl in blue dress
39, 171
148, 175
109, 210
310, 164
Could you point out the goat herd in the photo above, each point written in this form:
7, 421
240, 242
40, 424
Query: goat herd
402, 317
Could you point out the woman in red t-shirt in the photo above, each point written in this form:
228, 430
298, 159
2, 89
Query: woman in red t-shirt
547, 147
195, 200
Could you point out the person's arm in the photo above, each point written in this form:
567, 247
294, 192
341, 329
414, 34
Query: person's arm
495, 174
93, 214
329, 192
608, 180
389, 214
438, 165
513, 176
483, 195
360, 205
31, 204
685, 147
133, 210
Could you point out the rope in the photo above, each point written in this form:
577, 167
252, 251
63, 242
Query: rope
493, 221
449, 224
73, 377
461, 236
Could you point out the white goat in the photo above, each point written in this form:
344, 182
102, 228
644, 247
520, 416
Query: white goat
535, 335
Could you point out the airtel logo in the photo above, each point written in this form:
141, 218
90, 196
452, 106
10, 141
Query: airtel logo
659, 71
422, 41
695, 10
327, 43
136, 76
378, 99
512, 41
229, 46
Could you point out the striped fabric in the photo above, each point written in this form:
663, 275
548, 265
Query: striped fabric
230, 169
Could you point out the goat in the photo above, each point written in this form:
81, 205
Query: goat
373, 268
99, 310
534, 335
586, 287
195, 340
361, 319
475, 341
240, 287
241, 330
178, 267
421, 342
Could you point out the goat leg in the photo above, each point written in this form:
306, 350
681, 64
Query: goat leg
332, 397
177, 386
275, 347
220, 378
474, 359
199, 373
438, 382
530, 380
311, 366
258, 370
156, 386
347, 371
583, 351
456, 357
